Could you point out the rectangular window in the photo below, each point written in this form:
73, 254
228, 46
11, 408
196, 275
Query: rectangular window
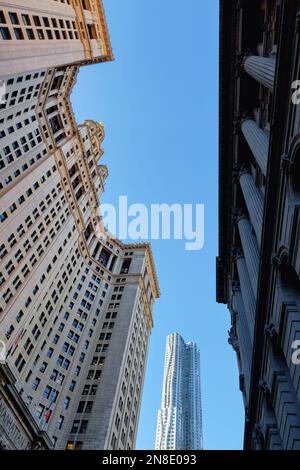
2, 17
83, 426
36, 383
18, 33
26, 20
75, 426
60, 422
43, 367
66, 403
47, 392
72, 385
5, 33
125, 266
30, 34
81, 407
104, 257
93, 389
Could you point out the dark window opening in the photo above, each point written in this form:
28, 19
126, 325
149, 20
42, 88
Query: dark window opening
104, 257
125, 266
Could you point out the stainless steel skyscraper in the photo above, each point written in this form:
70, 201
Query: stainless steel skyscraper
179, 420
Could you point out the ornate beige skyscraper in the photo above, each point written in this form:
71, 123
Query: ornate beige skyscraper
51, 33
76, 306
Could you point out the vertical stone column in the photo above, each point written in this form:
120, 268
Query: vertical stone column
258, 142
247, 293
262, 69
250, 249
243, 335
254, 201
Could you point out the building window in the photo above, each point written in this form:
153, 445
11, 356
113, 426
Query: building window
93, 389
18, 33
66, 403
72, 385
101, 360
50, 352
14, 18
43, 367
26, 20
36, 383
28, 376
56, 124
98, 374
125, 266
81, 407
81, 357
39, 410
47, 392
60, 422
54, 441
30, 34
70, 445
55, 339
104, 257
75, 426
5, 33
89, 407
83, 426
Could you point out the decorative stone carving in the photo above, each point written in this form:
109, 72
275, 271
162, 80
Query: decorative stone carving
285, 163
37, 445
236, 286
263, 386
280, 258
236, 252
233, 339
258, 436
236, 215
271, 333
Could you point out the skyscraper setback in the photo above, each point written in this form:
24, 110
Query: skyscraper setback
179, 420
76, 304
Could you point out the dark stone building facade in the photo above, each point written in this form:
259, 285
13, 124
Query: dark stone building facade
18, 429
258, 267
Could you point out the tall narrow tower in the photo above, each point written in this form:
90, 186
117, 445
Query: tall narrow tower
179, 420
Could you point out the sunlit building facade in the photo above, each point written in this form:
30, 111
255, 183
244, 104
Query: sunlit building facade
52, 33
76, 304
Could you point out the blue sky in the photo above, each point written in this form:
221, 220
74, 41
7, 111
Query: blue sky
159, 103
